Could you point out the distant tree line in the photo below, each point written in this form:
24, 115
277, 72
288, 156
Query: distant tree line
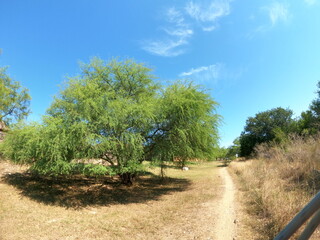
275, 126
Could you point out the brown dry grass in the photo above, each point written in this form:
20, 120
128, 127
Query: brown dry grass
278, 184
182, 207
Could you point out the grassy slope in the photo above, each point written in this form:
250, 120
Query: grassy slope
278, 184
180, 208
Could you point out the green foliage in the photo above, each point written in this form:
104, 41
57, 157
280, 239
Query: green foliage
229, 153
315, 105
14, 100
234, 150
116, 112
221, 153
309, 122
20, 144
108, 107
95, 170
271, 125
186, 124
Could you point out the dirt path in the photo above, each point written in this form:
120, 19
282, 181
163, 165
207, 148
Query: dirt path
225, 227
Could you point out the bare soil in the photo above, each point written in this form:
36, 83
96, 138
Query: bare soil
226, 211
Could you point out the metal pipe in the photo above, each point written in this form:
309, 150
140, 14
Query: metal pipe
300, 218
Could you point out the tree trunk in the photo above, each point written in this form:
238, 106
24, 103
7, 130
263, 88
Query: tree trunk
127, 178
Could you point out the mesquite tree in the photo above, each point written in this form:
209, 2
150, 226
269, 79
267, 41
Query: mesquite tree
116, 112
186, 124
14, 100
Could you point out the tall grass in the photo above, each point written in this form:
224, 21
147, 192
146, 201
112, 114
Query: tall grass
279, 182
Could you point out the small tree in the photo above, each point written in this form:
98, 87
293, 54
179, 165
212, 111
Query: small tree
14, 100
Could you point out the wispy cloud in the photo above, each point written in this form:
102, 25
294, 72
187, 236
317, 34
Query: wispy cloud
210, 75
175, 16
192, 71
178, 30
278, 12
180, 26
208, 14
310, 2
204, 73
165, 48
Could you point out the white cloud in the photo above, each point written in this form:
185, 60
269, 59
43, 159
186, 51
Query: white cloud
165, 48
179, 28
204, 73
310, 2
210, 75
208, 14
193, 71
278, 12
175, 16
178, 31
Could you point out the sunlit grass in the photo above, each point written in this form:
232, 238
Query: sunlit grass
178, 207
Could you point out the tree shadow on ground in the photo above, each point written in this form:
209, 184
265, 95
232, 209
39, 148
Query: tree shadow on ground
222, 164
79, 192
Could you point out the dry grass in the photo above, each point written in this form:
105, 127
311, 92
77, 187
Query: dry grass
279, 183
181, 207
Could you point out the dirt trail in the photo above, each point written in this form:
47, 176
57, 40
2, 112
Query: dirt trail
225, 227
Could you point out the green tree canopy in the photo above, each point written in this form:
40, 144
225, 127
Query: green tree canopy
14, 100
315, 105
309, 122
186, 124
265, 127
116, 112
234, 150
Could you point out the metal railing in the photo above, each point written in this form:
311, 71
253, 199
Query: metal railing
311, 209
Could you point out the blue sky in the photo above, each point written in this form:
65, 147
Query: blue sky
251, 55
